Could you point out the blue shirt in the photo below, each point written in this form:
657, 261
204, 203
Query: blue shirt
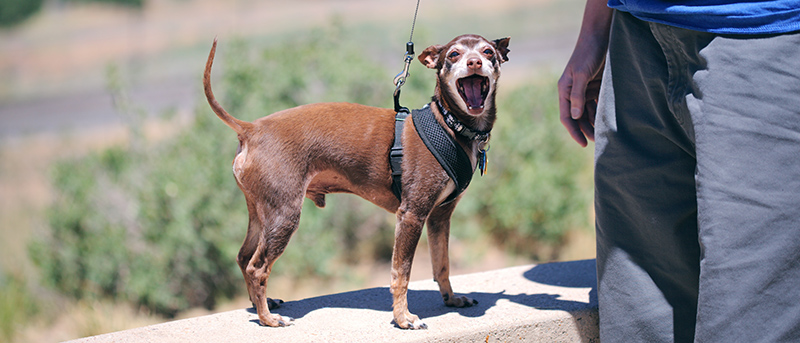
718, 16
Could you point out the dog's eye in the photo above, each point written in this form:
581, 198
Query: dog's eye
488, 52
453, 54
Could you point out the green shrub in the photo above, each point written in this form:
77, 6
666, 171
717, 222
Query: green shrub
13, 12
136, 4
17, 305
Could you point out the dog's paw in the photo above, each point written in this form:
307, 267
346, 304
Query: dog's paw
411, 322
275, 320
418, 325
461, 301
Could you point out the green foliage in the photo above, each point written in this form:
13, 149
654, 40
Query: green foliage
145, 223
126, 3
17, 305
160, 225
321, 67
13, 12
142, 226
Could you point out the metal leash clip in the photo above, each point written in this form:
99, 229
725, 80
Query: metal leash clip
400, 79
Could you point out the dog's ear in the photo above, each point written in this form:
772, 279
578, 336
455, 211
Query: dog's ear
502, 48
430, 56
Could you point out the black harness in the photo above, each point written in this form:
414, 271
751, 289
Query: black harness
453, 159
396, 154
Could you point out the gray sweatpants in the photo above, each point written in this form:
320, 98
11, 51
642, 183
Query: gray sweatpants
697, 186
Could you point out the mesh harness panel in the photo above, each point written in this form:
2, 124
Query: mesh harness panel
453, 159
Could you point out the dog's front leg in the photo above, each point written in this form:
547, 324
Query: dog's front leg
438, 240
407, 234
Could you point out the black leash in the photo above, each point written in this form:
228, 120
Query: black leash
413, 23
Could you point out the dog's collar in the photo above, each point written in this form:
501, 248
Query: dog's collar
459, 127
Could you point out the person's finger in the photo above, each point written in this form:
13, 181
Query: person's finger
565, 109
577, 97
573, 127
564, 91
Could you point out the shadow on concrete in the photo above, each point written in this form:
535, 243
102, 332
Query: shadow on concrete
428, 303
576, 274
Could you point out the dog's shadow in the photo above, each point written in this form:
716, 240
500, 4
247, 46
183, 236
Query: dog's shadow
428, 303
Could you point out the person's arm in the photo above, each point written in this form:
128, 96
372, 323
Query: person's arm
580, 83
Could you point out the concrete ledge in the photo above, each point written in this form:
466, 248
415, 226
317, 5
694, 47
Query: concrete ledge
554, 302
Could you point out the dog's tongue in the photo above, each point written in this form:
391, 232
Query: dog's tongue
473, 91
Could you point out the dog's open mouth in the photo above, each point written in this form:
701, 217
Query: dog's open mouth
474, 89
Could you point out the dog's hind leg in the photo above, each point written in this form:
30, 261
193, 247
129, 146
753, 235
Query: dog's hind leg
272, 228
246, 253
438, 241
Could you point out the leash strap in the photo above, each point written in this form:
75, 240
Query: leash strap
396, 154
414, 23
451, 156
400, 79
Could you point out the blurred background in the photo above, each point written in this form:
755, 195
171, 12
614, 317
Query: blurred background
117, 204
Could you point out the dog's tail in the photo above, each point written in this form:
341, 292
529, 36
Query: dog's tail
236, 124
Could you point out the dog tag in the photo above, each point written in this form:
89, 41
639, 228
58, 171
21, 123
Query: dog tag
482, 161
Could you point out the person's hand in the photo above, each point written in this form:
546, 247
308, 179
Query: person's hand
579, 85
577, 92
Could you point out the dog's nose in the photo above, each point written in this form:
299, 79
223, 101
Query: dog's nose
474, 63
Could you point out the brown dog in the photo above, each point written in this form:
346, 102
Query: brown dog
316, 149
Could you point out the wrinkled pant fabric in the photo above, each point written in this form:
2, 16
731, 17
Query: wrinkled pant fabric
697, 186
